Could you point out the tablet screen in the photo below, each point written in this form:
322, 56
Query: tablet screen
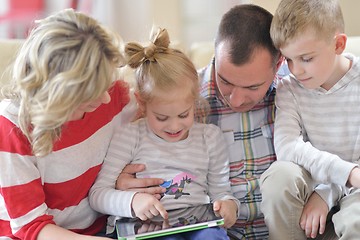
179, 220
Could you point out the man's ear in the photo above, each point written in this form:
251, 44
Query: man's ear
340, 43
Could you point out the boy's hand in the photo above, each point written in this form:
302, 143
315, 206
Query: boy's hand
227, 210
127, 181
313, 217
354, 178
146, 206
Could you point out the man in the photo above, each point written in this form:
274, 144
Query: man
239, 86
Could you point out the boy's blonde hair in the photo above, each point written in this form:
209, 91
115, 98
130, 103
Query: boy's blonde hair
161, 68
294, 17
68, 59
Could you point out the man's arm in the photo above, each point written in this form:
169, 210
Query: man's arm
128, 181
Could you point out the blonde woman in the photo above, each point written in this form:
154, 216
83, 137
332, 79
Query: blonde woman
189, 156
57, 117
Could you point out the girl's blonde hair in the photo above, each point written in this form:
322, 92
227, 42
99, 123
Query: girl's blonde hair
293, 17
161, 68
68, 59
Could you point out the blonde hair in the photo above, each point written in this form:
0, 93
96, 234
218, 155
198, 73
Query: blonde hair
68, 59
294, 17
159, 67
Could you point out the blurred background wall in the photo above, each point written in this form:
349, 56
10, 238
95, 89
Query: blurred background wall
187, 21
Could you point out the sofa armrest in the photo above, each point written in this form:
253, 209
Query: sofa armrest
353, 45
8, 49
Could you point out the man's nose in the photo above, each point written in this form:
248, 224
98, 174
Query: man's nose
237, 97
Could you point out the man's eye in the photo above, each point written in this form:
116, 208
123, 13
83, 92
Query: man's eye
224, 82
306, 59
254, 88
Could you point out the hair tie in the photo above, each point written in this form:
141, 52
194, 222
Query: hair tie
149, 52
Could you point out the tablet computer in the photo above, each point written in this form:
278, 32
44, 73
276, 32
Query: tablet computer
179, 220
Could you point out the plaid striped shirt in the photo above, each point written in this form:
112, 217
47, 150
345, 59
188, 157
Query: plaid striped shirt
249, 136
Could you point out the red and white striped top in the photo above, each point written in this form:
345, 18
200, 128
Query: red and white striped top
54, 189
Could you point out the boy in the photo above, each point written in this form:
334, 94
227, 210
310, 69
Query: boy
316, 127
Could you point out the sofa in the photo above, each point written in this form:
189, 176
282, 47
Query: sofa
200, 53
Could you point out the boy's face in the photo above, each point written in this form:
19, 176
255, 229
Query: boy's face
170, 117
312, 61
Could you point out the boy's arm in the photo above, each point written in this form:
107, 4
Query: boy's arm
289, 141
330, 193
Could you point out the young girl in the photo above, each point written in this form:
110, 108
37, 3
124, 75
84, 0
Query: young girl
57, 118
187, 155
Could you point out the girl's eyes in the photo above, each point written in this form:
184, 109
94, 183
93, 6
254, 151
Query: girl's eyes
163, 119
185, 115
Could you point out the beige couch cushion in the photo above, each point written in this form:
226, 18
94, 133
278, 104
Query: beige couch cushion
353, 45
8, 50
200, 53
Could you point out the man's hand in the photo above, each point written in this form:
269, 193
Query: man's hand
128, 181
313, 217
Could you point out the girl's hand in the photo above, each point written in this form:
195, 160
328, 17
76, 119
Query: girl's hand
227, 210
147, 206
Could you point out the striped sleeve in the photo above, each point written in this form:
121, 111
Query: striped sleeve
103, 195
290, 137
54, 189
218, 175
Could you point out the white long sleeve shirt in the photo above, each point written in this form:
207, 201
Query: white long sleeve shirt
320, 130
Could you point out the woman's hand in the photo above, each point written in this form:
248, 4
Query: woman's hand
51, 231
